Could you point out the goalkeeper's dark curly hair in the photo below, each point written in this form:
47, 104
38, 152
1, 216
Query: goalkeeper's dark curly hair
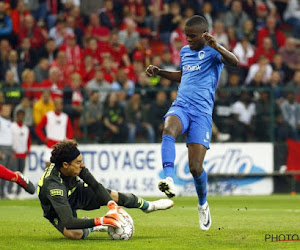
62, 151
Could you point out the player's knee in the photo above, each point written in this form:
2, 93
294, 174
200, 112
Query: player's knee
170, 130
73, 234
196, 168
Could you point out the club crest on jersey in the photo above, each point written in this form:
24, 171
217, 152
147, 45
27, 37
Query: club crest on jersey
201, 54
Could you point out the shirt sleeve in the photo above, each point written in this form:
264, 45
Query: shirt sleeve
101, 193
58, 197
39, 128
70, 133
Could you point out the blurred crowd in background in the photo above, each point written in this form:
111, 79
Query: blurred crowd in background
87, 59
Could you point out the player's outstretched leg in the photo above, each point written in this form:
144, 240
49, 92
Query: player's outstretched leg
161, 204
131, 201
25, 183
168, 157
17, 177
167, 186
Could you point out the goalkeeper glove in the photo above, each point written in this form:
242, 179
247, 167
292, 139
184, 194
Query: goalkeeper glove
112, 218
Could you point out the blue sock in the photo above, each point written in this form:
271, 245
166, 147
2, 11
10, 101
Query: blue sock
168, 155
200, 184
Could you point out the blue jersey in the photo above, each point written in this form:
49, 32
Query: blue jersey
201, 71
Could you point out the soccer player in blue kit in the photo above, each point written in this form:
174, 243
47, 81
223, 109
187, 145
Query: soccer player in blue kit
201, 64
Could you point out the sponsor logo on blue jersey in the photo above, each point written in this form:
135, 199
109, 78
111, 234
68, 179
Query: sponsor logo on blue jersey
191, 67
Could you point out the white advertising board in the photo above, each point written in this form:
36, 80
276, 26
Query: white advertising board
137, 168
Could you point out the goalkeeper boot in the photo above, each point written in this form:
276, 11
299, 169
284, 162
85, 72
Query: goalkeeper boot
161, 204
167, 186
204, 216
25, 183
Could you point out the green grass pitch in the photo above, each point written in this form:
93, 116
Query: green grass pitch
239, 222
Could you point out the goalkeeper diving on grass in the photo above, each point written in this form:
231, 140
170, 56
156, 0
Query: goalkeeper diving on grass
61, 193
201, 63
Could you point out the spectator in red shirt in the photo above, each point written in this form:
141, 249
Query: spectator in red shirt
53, 83
138, 67
145, 49
65, 68
107, 15
108, 69
93, 50
220, 34
175, 51
73, 51
17, 16
178, 33
87, 71
272, 31
29, 84
265, 50
137, 10
79, 18
117, 50
232, 39
71, 23
130, 73
73, 97
32, 31
95, 29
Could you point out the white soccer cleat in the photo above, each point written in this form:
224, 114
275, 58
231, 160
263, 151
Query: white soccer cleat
100, 228
161, 204
204, 217
167, 186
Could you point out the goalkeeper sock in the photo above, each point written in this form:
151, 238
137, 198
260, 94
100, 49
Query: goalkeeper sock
86, 233
131, 201
7, 174
168, 155
200, 184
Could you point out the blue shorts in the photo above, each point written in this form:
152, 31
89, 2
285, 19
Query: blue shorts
198, 125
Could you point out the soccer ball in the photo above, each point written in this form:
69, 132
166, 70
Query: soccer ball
126, 231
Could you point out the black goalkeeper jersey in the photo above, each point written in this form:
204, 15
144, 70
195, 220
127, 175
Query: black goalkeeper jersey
61, 196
